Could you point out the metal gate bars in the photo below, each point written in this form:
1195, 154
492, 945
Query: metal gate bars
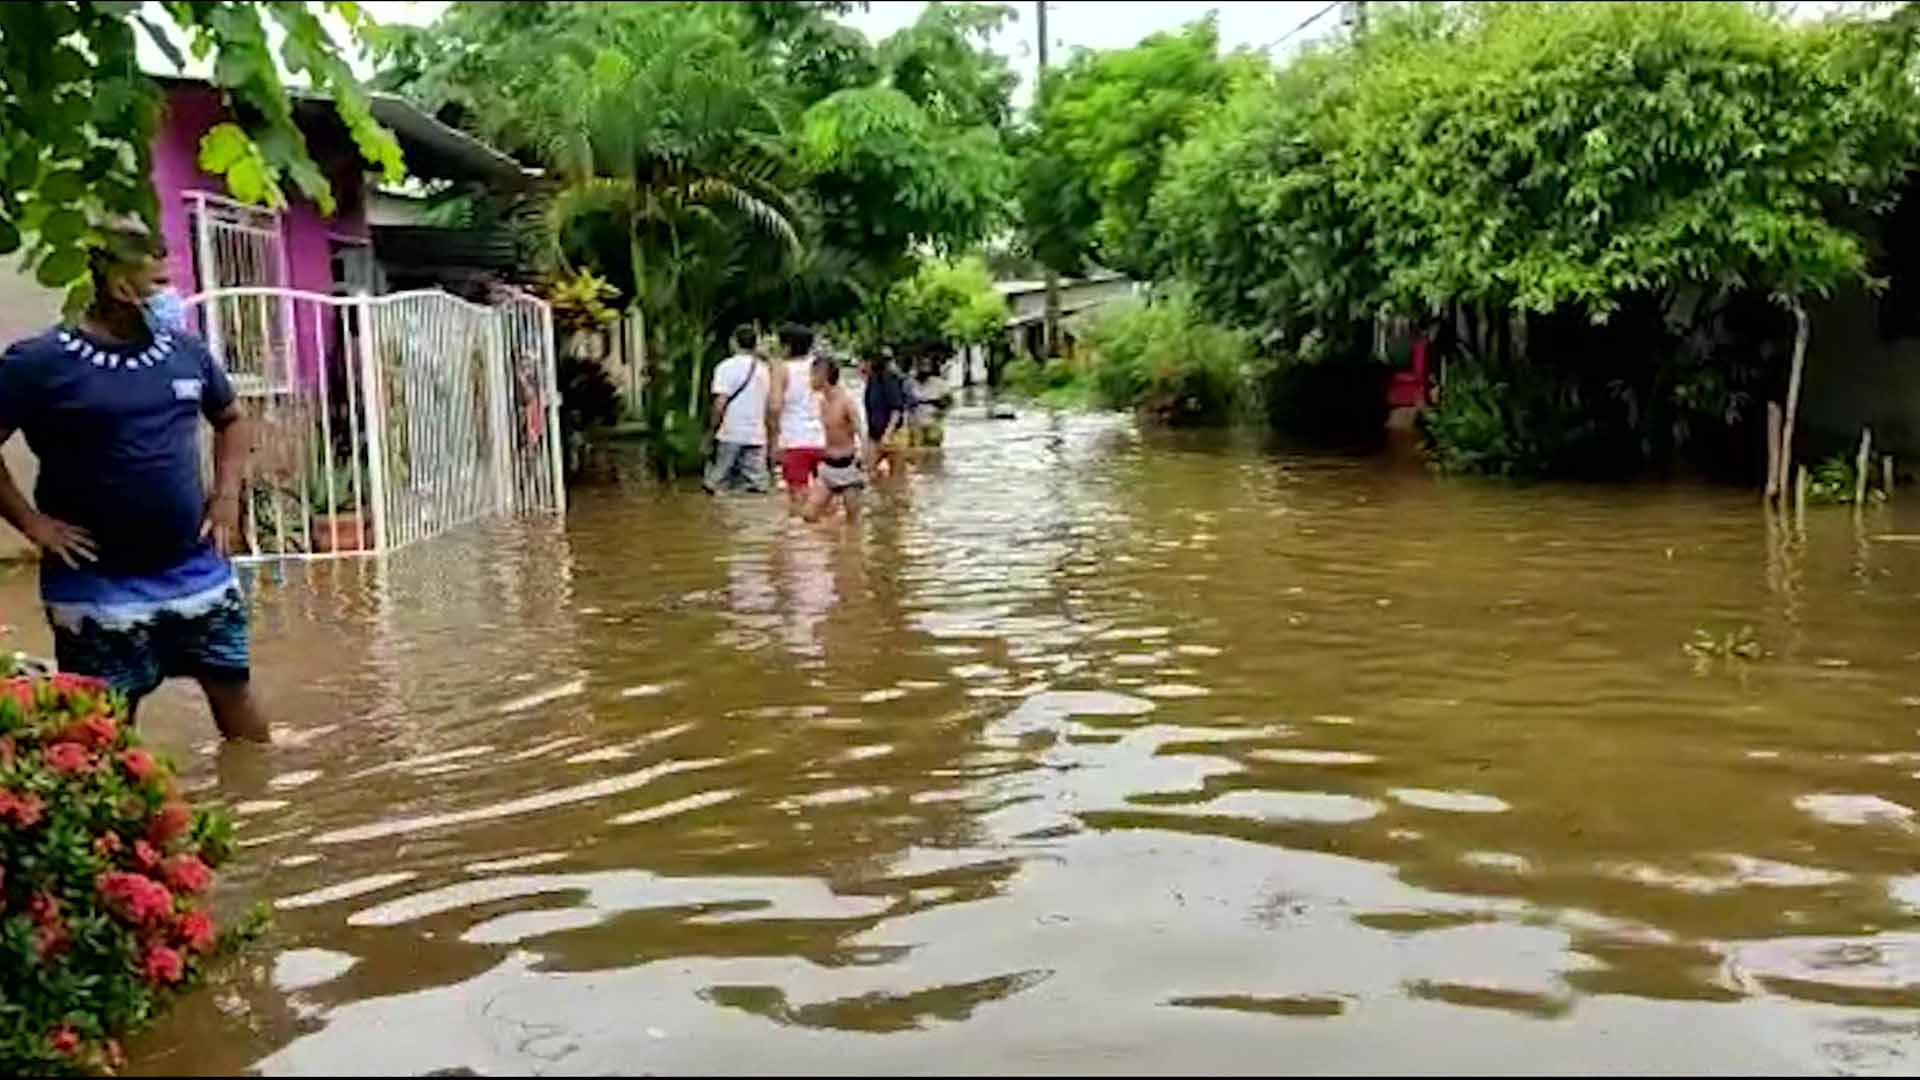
386, 419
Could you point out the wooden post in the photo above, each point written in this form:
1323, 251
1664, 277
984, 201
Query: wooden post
1050, 323
1886, 475
1793, 390
1800, 485
1774, 472
1860, 465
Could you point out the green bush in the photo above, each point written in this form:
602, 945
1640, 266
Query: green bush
1022, 377
1166, 359
1527, 421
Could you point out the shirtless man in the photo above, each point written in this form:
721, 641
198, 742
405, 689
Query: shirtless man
840, 476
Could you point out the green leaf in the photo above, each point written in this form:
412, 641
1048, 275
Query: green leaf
9, 237
62, 186
23, 168
223, 147
59, 269
248, 181
63, 227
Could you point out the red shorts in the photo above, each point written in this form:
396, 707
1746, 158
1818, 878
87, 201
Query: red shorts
797, 464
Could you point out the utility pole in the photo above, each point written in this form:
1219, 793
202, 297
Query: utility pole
1050, 330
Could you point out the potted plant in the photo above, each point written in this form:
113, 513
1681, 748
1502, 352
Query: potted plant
336, 518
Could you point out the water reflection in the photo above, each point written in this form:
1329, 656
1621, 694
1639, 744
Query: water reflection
1090, 752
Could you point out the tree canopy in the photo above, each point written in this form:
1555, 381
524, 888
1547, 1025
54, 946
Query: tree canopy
722, 163
77, 116
1584, 199
1092, 152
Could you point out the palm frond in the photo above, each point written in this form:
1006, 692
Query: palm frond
761, 212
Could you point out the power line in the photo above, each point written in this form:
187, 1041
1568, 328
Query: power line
1310, 20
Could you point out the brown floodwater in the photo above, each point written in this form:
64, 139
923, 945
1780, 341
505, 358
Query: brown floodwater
1090, 752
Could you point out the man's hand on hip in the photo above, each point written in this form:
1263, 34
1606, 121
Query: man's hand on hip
222, 522
71, 544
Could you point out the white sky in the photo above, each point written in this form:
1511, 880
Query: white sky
1070, 23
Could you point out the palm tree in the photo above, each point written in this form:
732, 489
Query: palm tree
671, 134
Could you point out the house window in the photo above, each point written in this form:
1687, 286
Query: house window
236, 246
351, 259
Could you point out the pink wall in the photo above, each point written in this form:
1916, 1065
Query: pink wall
191, 111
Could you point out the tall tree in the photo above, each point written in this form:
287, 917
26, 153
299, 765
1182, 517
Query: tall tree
1097, 140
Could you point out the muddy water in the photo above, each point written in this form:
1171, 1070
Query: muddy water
1091, 753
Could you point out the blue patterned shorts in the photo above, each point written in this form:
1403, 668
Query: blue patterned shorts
135, 659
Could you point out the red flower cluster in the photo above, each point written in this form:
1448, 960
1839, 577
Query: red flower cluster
97, 731
171, 823
136, 898
23, 810
186, 874
50, 934
138, 763
67, 758
164, 965
20, 691
194, 931
95, 834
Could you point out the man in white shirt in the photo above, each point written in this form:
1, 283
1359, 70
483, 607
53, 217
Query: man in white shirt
741, 428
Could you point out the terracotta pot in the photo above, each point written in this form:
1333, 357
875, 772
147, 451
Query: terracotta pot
339, 532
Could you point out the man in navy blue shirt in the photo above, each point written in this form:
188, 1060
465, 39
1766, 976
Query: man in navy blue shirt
134, 569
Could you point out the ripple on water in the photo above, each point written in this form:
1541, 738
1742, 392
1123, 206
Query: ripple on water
1319, 807
345, 890
300, 969
1453, 802
614, 891
1844, 809
1175, 690
297, 778
1045, 711
545, 800
1291, 756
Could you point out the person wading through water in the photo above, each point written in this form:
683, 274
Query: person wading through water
886, 402
797, 414
743, 425
134, 569
840, 476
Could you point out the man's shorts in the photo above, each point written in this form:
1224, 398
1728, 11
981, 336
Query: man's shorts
135, 659
842, 474
797, 464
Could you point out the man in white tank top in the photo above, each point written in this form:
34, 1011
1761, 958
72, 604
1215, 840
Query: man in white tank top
797, 413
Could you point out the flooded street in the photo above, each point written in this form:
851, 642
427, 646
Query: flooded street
1094, 752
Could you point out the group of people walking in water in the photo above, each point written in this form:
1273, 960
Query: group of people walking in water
793, 414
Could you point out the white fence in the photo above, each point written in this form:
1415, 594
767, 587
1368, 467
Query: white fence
383, 420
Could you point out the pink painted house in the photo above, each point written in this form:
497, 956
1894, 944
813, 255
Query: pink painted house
214, 241
298, 247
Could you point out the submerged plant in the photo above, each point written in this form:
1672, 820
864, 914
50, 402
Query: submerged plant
1741, 644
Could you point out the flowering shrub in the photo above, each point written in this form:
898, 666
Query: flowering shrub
104, 871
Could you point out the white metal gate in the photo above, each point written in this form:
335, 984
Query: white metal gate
395, 418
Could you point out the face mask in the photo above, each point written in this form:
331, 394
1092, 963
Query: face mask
165, 310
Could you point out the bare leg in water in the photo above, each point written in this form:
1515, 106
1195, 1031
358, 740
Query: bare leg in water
235, 711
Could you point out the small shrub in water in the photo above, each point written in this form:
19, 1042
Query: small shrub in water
104, 873
1167, 359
